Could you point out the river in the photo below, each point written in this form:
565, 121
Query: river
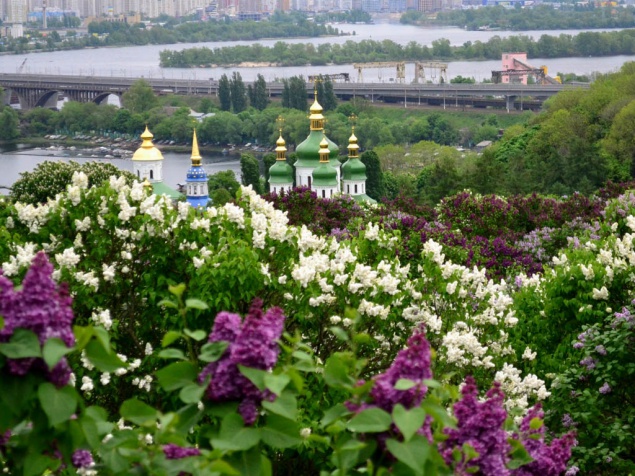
24, 159
143, 61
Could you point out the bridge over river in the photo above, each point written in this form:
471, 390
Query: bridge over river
36, 90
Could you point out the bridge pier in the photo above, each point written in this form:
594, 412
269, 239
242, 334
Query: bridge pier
510, 102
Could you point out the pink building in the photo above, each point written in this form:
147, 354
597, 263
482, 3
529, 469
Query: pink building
515, 61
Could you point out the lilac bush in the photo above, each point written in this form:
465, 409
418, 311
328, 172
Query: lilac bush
549, 459
44, 308
252, 343
480, 425
173, 451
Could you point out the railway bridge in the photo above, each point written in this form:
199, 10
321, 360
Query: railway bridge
35, 90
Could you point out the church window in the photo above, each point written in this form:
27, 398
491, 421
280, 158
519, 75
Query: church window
355, 188
151, 174
138, 174
323, 193
309, 179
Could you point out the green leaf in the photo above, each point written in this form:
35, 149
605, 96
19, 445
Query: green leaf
36, 465
82, 336
336, 371
234, 436
276, 383
58, 405
196, 304
256, 376
54, 349
439, 413
339, 333
170, 337
519, 455
470, 452
333, 414
405, 384
213, 351
168, 303
172, 354
177, 375
221, 467
23, 344
138, 412
408, 421
191, 393
413, 454
198, 335
101, 358
1, 322
285, 405
371, 420
536, 423
177, 290
281, 433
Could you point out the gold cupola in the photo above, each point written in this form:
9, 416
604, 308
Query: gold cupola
316, 117
196, 156
353, 147
281, 148
147, 151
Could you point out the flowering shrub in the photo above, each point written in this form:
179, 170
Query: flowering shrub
587, 395
222, 435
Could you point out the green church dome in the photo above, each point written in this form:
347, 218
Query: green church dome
281, 172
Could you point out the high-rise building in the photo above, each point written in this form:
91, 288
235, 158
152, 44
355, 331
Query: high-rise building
15, 11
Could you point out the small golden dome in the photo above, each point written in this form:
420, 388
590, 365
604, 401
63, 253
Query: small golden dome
147, 151
280, 142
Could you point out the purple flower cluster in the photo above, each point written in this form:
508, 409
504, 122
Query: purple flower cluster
411, 363
41, 307
549, 460
588, 362
82, 459
604, 389
172, 451
252, 343
480, 424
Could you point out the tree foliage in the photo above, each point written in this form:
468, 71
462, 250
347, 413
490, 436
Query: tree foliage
238, 93
224, 93
250, 171
140, 97
374, 174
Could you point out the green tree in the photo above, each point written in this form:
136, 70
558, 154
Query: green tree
374, 174
329, 101
225, 180
238, 93
260, 98
224, 93
268, 160
140, 97
297, 93
250, 171
9, 124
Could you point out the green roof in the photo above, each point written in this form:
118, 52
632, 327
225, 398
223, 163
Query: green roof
353, 169
308, 151
325, 175
281, 172
159, 188
363, 198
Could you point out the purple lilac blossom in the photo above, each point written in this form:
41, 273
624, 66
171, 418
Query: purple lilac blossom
412, 363
600, 349
578, 345
172, 451
549, 460
480, 424
41, 307
567, 421
82, 459
572, 471
604, 389
252, 343
588, 362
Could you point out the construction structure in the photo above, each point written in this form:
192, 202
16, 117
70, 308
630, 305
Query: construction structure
336, 78
400, 66
438, 69
516, 70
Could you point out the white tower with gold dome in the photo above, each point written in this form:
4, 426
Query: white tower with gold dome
147, 161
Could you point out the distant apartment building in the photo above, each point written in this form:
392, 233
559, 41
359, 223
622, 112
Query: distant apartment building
14, 11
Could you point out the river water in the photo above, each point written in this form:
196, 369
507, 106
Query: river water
24, 159
138, 61
143, 61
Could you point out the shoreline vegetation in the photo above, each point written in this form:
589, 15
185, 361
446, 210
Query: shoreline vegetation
541, 17
585, 44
